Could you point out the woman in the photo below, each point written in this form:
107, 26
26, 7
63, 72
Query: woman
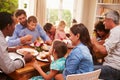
80, 59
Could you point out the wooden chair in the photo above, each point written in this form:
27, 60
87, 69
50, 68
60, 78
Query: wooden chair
94, 75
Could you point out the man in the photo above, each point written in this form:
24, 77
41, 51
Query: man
7, 65
22, 19
111, 47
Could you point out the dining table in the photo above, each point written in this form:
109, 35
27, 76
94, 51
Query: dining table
28, 71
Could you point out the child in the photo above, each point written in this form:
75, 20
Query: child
100, 32
31, 29
60, 33
58, 51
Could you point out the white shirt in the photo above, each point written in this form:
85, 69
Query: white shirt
112, 45
7, 65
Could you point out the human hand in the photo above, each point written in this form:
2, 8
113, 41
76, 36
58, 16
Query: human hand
36, 65
101, 42
13, 49
26, 39
28, 57
49, 42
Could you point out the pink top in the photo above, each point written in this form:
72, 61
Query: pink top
60, 35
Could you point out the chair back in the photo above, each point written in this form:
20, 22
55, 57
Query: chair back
94, 75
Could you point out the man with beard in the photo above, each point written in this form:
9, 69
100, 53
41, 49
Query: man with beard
16, 39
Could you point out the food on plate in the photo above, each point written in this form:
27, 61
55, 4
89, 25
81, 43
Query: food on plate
23, 51
44, 55
27, 52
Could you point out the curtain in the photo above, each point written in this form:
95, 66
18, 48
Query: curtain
40, 11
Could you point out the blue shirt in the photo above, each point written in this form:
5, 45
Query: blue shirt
78, 61
15, 39
35, 34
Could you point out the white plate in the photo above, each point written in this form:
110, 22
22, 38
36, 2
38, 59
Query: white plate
13, 55
32, 51
38, 57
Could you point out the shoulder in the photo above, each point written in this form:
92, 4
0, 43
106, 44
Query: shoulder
115, 31
3, 41
80, 49
58, 64
18, 26
38, 26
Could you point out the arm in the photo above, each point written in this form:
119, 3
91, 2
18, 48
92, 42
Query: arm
72, 63
25, 37
99, 47
15, 39
22, 39
42, 73
59, 77
43, 35
8, 65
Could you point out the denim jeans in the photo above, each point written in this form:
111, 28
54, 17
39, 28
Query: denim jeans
108, 73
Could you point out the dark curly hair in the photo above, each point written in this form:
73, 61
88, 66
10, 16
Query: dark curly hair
5, 19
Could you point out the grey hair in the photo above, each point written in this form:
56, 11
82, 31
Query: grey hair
114, 15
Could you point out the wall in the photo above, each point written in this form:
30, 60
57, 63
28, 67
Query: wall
85, 13
29, 6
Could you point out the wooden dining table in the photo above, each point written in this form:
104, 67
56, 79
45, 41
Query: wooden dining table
29, 71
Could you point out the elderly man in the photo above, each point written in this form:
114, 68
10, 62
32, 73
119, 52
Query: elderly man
16, 39
8, 65
111, 47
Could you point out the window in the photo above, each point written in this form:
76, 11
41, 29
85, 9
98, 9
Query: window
59, 10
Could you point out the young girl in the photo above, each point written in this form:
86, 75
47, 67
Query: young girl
60, 33
58, 51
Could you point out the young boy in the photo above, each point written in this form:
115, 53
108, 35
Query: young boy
31, 29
